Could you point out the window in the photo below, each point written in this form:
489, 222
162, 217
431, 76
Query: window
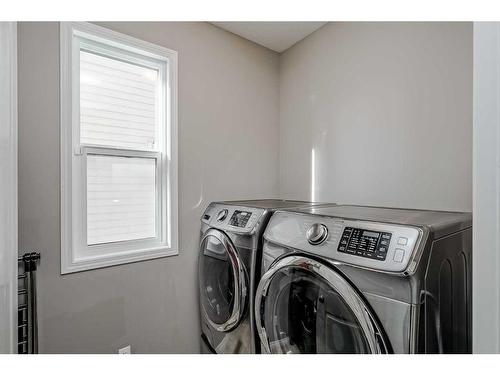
118, 149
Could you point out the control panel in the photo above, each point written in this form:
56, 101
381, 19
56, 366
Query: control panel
236, 219
380, 246
365, 243
240, 218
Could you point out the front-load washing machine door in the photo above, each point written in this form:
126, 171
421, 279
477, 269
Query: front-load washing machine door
222, 278
304, 306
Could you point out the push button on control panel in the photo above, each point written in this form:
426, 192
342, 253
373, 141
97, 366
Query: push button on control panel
365, 243
399, 254
402, 241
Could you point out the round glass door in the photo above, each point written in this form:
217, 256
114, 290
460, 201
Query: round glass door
222, 281
303, 306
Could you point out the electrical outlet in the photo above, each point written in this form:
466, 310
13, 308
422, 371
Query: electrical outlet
125, 350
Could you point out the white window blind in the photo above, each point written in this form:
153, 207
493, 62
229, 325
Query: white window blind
121, 198
118, 102
118, 108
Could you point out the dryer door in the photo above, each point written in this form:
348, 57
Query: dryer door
305, 306
222, 281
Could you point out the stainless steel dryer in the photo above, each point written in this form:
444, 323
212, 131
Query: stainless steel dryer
229, 268
351, 279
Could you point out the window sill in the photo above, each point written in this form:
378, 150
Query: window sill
114, 259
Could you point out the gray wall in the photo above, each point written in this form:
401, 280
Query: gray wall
387, 109
228, 133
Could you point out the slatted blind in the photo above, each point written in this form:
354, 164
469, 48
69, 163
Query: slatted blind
119, 108
118, 103
121, 198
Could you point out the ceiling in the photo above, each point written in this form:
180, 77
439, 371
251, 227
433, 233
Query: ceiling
278, 36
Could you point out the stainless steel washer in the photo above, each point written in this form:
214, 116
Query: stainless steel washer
352, 279
229, 270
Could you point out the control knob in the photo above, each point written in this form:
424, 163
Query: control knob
222, 215
317, 233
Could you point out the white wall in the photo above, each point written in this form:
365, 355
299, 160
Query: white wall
228, 137
8, 188
387, 110
486, 258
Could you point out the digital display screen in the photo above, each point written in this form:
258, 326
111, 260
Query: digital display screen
365, 243
371, 234
240, 218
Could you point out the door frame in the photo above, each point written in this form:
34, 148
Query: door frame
337, 282
486, 189
8, 186
239, 281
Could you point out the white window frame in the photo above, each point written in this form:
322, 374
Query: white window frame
76, 255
